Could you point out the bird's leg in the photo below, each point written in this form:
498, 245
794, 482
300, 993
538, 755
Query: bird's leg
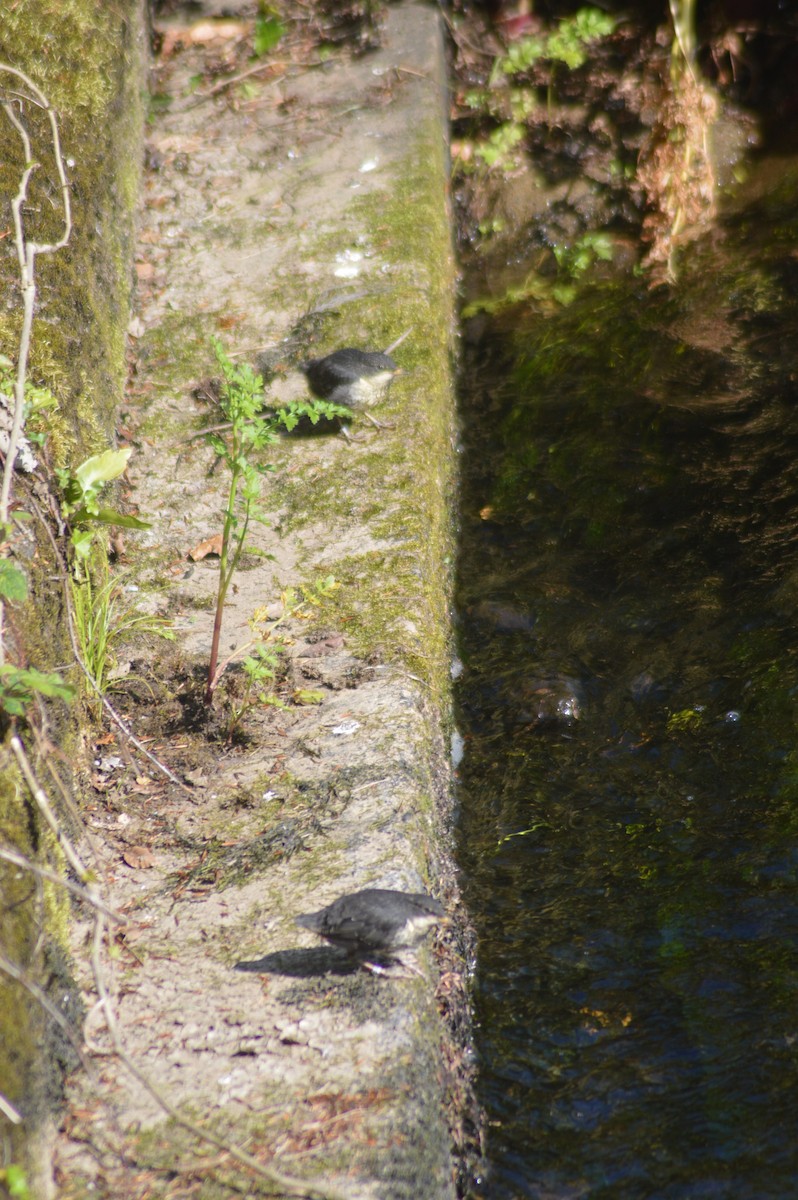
375, 968
378, 424
406, 969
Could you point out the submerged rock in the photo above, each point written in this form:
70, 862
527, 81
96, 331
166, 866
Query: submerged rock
554, 701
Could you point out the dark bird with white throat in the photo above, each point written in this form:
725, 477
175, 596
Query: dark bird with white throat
355, 378
374, 926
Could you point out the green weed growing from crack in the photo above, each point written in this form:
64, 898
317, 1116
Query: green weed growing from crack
251, 430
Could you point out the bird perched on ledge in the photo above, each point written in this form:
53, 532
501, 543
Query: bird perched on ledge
374, 926
354, 378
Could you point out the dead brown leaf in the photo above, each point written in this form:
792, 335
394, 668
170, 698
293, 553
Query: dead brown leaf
211, 545
140, 858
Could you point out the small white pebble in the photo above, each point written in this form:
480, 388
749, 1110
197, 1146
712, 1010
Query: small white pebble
345, 729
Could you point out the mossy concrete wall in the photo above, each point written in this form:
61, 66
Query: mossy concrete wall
89, 60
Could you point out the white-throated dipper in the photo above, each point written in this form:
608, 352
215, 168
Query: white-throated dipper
376, 924
355, 378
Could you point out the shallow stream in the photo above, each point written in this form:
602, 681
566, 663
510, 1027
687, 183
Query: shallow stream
628, 603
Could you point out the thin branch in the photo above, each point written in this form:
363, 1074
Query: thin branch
40, 996
234, 79
290, 1185
106, 703
26, 255
126, 731
40, 796
8, 1110
41, 100
399, 340
19, 860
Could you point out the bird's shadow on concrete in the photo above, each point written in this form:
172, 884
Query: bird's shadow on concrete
301, 964
324, 427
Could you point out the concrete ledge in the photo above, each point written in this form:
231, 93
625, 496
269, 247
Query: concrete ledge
313, 207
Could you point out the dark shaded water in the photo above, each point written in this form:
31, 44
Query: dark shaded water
628, 596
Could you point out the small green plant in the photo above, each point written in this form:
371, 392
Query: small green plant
13, 583
103, 620
20, 685
251, 430
15, 1182
491, 226
260, 656
501, 142
534, 287
80, 503
574, 260
566, 44
37, 401
578, 257
687, 720
269, 29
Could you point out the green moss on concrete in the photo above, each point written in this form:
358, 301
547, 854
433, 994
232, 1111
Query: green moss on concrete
33, 923
20, 1030
88, 60
178, 351
405, 582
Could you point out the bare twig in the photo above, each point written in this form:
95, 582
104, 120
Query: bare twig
21, 977
8, 1110
234, 79
193, 437
127, 732
43, 804
26, 256
289, 1185
399, 340
19, 860
106, 703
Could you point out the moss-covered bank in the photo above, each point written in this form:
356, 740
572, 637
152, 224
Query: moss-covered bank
88, 59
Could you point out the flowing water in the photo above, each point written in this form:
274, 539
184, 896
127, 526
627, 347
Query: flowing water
628, 599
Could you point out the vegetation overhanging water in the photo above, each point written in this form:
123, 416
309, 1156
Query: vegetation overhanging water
628, 591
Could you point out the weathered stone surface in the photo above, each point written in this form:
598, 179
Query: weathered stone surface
312, 208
